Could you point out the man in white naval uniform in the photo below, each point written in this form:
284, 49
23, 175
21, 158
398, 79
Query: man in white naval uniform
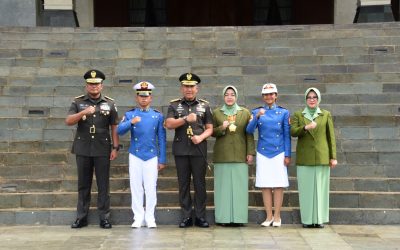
147, 153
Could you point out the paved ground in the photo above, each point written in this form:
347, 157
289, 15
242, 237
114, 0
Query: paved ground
170, 237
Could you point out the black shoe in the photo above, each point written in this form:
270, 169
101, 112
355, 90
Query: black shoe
233, 224
222, 224
187, 222
79, 223
201, 222
308, 226
319, 225
105, 224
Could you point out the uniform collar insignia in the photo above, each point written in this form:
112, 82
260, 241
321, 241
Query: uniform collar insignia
272, 107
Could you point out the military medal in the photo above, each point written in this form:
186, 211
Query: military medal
105, 109
232, 127
231, 120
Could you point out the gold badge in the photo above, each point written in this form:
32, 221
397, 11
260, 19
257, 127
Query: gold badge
144, 85
232, 127
93, 74
189, 76
189, 132
231, 120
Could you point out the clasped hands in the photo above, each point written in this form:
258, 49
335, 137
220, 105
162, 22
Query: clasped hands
89, 110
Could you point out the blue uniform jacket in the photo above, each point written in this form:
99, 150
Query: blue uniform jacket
146, 134
273, 131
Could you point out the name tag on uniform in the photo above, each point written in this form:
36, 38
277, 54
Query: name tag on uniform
83, 106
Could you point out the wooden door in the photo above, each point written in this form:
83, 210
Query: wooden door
313, 11
111, 13
209, 12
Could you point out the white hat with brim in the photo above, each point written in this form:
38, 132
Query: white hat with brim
143, 88
269, 88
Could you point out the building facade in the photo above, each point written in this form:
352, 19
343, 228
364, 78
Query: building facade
158, 13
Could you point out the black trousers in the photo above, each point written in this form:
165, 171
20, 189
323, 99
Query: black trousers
101, 166
186, 167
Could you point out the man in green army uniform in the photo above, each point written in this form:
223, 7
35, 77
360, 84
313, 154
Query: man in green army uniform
94, 114
192, 120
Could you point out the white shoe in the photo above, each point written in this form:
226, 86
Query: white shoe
136, 224
151, 225
277, 223
267, 223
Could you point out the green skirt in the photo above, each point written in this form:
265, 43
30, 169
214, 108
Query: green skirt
313, 186
231, 196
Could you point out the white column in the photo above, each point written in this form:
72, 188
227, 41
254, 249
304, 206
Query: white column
345, 10
85, 13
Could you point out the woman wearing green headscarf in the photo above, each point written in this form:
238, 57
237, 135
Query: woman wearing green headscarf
233, 151
315, 156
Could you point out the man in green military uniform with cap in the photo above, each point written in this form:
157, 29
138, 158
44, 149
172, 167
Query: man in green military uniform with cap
192, 120
94, 115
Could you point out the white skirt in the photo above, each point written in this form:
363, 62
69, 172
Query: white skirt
271, 172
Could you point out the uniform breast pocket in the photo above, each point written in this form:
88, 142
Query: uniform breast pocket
200, 114
83, 106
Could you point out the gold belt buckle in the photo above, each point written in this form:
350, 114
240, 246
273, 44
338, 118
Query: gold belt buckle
189, 131
92, 129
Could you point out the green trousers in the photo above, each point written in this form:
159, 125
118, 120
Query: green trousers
313, 186
231, 196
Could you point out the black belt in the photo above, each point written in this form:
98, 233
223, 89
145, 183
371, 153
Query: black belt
94, 130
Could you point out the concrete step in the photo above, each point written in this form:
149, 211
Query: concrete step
349, 139
359, 168
349, 104
170, 183
20, 96
172, 216
338, 199
362, 167
38, 117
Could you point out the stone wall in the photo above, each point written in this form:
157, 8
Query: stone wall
355, 67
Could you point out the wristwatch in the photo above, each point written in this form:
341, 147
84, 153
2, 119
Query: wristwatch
116, 147
185, 118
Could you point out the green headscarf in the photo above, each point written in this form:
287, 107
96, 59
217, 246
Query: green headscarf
312, 113
230, 110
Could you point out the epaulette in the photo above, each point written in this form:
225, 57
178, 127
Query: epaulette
257, 108
203, 100
132, 109
175, 100
79, 96
109, 98
281, 107
156, 110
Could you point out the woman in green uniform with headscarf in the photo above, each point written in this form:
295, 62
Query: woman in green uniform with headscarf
315, 156
233, 151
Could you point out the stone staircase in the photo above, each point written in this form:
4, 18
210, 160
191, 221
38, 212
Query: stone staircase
355, 67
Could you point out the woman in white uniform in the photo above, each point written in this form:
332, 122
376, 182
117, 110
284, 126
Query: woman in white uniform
273, 152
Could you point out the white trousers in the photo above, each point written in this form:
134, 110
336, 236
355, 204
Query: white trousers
143, 180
